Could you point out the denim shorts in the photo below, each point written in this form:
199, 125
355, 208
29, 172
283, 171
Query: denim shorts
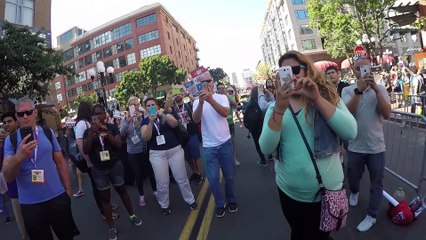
104, 177
192, 149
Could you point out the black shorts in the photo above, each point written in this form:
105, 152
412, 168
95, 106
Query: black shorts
54, 213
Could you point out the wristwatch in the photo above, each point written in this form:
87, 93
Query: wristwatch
357, 92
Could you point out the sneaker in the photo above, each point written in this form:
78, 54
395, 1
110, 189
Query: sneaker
142, 201
199, 179
135, 220
353, 199
112, 234
8, 220
193, 206
237, 163
78, 194
166, 211
232, 207
262, 163
220, 212
366, 224
114, 216
114, 206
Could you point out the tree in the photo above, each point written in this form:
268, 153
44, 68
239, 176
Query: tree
27, 64
92, 98
154, 72
218, 74
263, 71
342, 22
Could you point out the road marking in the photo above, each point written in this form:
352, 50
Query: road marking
190, 222
207, 220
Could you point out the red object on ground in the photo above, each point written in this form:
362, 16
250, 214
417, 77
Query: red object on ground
401, 214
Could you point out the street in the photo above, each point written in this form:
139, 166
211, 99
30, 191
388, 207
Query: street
259, 215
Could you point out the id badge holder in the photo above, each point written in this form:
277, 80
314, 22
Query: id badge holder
160, 140
37, 176
135, 139
104, 156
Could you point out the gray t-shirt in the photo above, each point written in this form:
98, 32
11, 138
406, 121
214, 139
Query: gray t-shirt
370, 138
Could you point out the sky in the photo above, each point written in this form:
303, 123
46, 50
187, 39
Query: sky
227, 32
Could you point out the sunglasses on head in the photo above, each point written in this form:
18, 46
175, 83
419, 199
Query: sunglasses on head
296, 69
28, 113
356, 58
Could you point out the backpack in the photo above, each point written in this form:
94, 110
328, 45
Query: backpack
14, 137
253, 117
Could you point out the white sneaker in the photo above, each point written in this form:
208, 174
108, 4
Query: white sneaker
237, 163
366, 224
353, 199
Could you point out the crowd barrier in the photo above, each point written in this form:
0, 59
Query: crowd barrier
408, 103
405, 137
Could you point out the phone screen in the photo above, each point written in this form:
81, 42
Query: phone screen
25, 131
175, 92
132, 110
152, 110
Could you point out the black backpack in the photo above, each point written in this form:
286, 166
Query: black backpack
253, 117
14, 137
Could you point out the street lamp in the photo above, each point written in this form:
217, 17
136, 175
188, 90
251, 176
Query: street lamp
100, 92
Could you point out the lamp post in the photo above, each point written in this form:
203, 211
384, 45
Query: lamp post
100, 92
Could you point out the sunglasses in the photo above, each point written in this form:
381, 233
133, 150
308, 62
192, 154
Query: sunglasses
296, 69
28, 113
356, 58
150, 105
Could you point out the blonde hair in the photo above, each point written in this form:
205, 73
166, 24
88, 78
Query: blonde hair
327, 89
131, 99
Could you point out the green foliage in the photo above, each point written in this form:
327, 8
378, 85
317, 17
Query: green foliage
342, 22
218, 74
263, 71
27, 64
154, 72
92, 98
63, 111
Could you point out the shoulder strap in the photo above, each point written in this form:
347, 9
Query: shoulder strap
14, 140
318, 175
48, 133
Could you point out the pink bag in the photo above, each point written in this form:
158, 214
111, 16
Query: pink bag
334, 210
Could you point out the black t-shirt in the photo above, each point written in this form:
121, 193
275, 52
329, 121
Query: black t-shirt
164, 128
340, 87
183, 114
97, 148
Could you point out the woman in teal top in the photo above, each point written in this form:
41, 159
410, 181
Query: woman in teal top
307, 93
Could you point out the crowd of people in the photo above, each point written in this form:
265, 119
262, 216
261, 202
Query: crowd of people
314, 111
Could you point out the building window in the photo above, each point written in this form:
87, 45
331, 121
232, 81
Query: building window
131, 58
305, 29
57, 85
107, 51
122, 31
20, 12
79, 90
120, 47
81, 76
79, 63
68, 54
129, 44
121, 61
102, 39
88, 59
66, 37
83, 47
171, 50
309, 44
151, 51
289, 35
148, 36
99, 55
146, 20
168, 35
298, 2
301, 14
59, 97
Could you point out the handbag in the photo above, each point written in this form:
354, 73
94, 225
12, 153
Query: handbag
334, 203
182, 134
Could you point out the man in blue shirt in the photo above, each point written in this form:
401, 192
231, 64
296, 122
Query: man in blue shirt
42, 178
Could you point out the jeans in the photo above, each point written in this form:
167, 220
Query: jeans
376, 166
3, 207
221, 156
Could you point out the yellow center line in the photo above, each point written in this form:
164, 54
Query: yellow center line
190, 222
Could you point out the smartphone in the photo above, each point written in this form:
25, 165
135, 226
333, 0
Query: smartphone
285, 73
25, 131
364, 69
95, 119
175, 92
132, 110
152, 110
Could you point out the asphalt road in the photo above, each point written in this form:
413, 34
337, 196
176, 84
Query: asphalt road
259, 215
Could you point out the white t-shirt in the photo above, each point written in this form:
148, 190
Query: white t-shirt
214, 127
80, 128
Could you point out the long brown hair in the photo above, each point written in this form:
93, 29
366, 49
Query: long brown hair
327, 90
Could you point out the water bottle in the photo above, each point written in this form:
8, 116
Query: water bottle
399, 195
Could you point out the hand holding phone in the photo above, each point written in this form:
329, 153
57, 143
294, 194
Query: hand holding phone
365, 70
285, 74
132, 110
152, 110
25, 131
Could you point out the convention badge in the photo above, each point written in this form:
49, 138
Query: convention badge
160, 140
135, 139
37, 176
104, 156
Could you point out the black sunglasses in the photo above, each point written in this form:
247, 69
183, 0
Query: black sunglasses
296, 69
28, 112
206, 81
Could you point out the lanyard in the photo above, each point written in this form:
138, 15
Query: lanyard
101, 139
33, 160
157, 127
